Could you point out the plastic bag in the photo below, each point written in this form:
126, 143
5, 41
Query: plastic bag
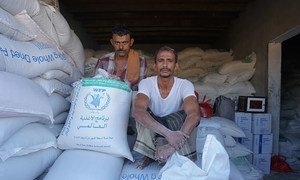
279, 164
206, 109
224, 107
215, 164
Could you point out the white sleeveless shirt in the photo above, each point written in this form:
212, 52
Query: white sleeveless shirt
181, 89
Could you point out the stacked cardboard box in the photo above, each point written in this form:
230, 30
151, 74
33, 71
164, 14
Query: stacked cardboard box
259, 137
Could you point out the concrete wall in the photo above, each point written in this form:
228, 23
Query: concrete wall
263, 21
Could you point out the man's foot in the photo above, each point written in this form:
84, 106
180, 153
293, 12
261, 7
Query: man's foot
142, 163
164, 152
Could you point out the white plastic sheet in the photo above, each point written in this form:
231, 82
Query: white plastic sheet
215, 164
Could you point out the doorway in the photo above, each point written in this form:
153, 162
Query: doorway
274, 81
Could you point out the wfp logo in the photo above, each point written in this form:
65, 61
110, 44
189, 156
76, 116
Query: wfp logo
97, 101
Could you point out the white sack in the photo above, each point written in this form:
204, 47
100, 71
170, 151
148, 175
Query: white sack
44, 21
84, 164
61, 118
215, 78
23, 97
226, 126
239, 77
209, 89
16, 6
238, 66
202, 133
58, 104
53, 86
55, 129
248, 170
47, 54
98, 117
66, 37
242, 88
74, 49
229, 141
131, 172
215, 164
31, 59
62, 76
60, 24
9, 126
31, 138
12, 28
28, 167
235, 173
238, 150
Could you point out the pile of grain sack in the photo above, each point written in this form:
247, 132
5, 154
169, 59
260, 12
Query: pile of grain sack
213, 72
40, 57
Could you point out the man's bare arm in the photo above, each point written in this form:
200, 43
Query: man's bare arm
191, 108
141, 115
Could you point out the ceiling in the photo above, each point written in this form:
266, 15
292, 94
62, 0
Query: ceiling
156, 21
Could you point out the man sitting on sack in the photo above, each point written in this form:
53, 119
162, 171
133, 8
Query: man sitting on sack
166, 111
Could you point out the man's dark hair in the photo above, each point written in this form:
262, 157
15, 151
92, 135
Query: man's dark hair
120, 30
166, 48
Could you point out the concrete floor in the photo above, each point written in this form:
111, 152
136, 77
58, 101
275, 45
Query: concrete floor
285, 176
282, 176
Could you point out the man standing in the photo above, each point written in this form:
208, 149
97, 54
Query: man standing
124, 63
166, 111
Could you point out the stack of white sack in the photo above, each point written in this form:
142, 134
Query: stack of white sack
36, 73
95, 131
195, 63
43, 55
230, 79
225, 132
27, 142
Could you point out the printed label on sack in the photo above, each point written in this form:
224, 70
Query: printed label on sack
38, 53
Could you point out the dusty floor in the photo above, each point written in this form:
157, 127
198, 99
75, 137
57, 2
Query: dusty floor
282, 176
285, 176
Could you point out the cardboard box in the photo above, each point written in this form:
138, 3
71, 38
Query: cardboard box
262, 143
247, 141
261, 123
244, 121
262, 162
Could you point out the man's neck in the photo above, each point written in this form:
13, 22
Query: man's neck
121, 59
165, 83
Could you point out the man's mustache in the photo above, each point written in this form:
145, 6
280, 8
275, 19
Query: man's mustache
165, 69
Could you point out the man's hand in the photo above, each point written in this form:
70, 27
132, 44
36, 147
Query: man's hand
162, 153
176, 139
